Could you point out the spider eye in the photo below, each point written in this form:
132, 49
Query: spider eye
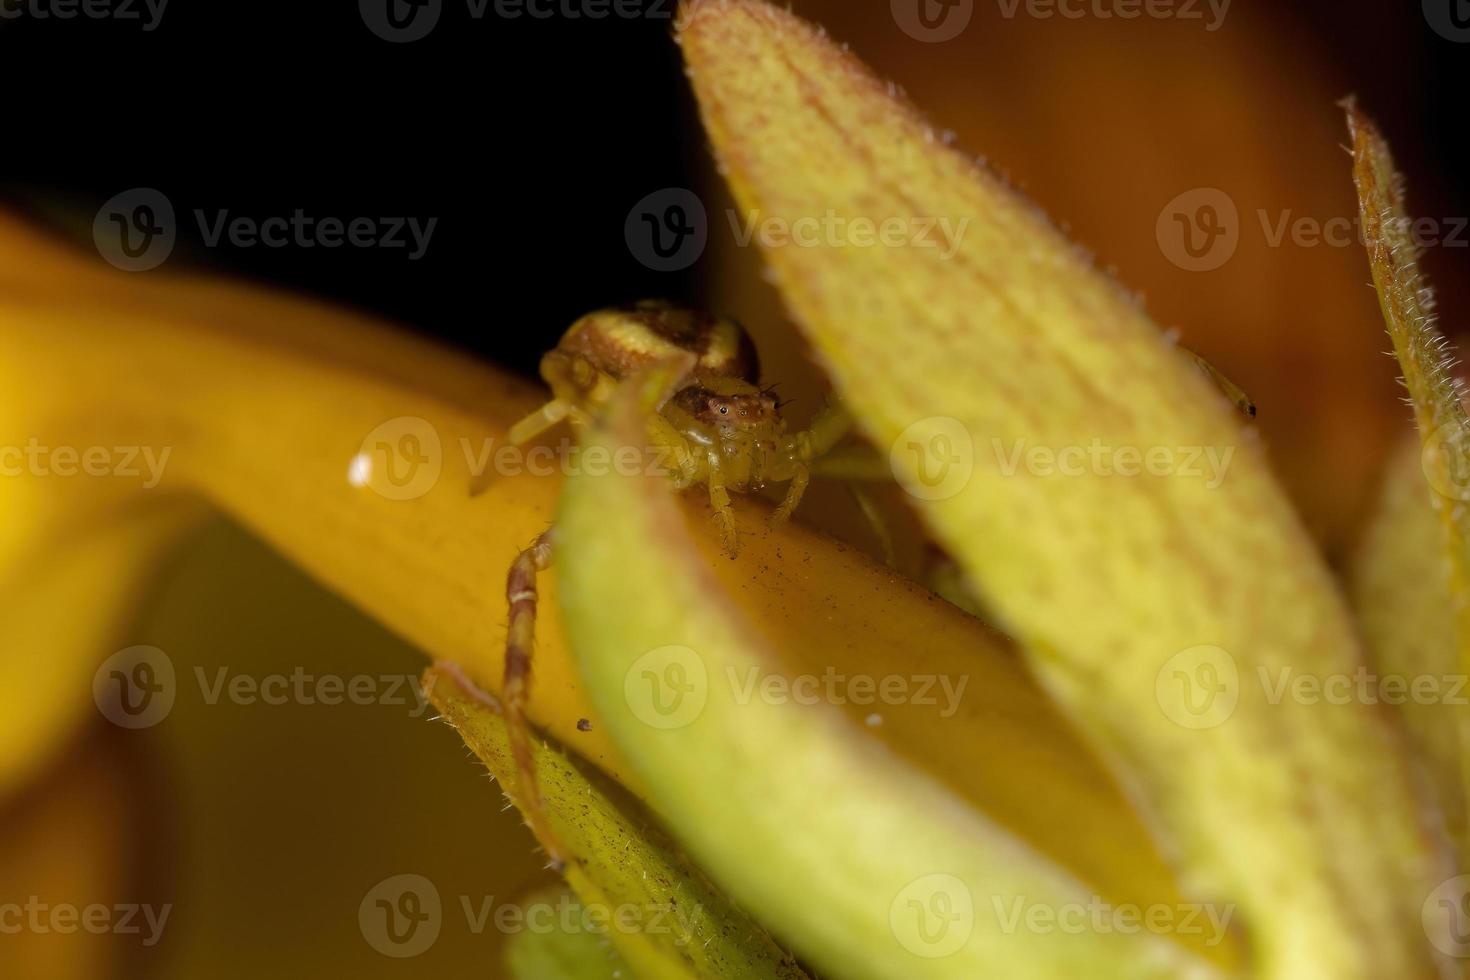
724, 409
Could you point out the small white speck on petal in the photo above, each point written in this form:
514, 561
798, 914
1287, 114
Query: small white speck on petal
360, 470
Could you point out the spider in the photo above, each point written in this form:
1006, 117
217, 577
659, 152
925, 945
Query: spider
721, 429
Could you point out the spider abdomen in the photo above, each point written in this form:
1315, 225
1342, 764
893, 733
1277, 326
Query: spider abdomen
619, 342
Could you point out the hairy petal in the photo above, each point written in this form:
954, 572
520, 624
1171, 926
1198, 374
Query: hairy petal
1156, 606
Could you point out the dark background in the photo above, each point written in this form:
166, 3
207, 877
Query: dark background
529, 140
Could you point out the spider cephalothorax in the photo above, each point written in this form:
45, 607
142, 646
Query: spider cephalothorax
720, 428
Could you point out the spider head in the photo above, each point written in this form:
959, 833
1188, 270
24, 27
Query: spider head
733, 408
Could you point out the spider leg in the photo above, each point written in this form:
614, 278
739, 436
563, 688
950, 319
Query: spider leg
719, 499
876, 521
801, 475
544, 418
830, 425
663, 435
520, 592
858, 463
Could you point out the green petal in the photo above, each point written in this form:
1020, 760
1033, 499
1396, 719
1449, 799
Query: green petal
664, 919
1424, 356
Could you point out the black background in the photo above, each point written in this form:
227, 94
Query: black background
529, 140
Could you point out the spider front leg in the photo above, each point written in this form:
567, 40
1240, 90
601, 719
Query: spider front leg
829, 427
719, 499
520, 642
663, 435
544, 418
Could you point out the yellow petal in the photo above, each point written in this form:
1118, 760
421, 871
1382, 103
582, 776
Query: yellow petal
1402, 594
263, 402
992, 332
664, 919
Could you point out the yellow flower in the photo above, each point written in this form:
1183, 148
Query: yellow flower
1131, 783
